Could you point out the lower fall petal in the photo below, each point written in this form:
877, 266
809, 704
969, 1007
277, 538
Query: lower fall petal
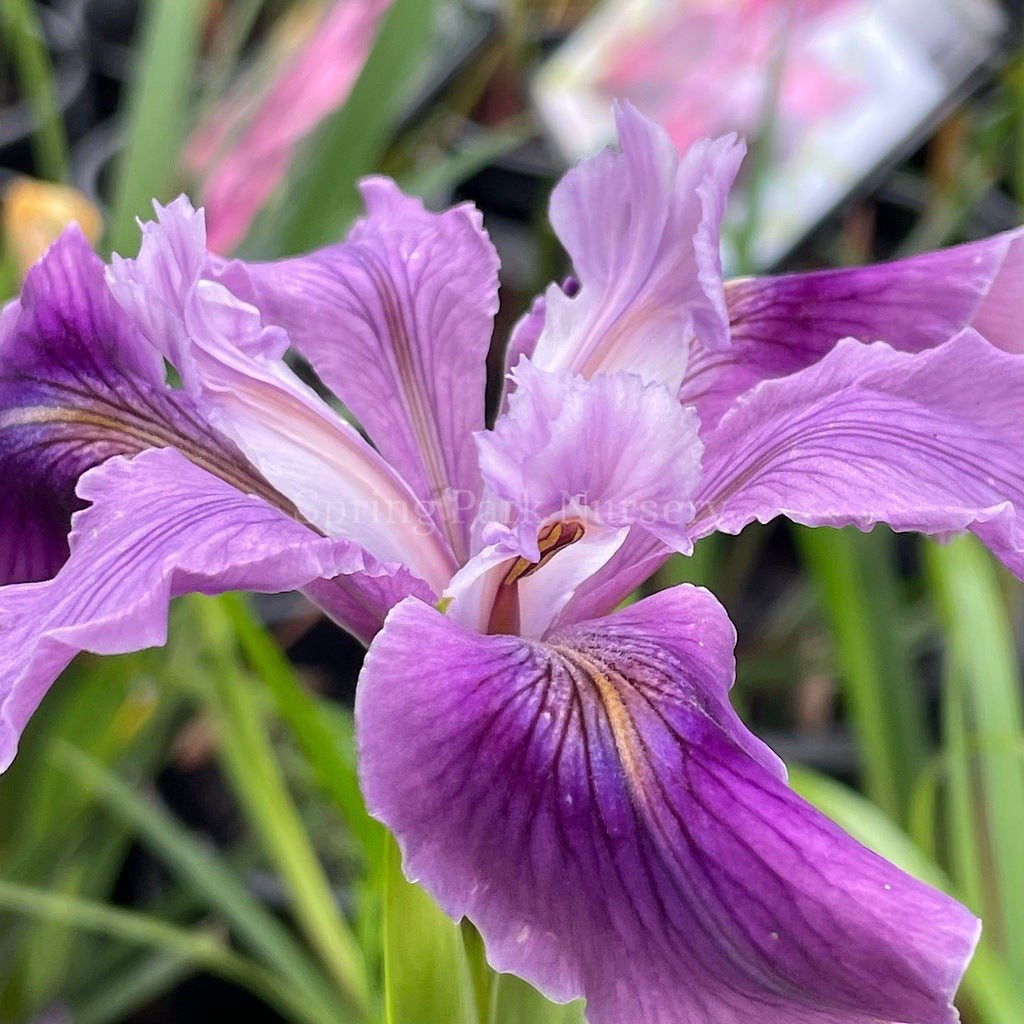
782, 324
79, 385
158, 527
596, 808
930, 441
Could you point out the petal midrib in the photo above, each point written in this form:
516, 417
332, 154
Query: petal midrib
145, 434
418, 409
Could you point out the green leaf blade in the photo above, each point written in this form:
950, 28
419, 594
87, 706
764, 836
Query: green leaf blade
157, 115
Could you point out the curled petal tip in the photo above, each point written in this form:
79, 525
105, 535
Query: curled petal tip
641, 226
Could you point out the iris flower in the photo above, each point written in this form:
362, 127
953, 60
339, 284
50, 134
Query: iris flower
570, 777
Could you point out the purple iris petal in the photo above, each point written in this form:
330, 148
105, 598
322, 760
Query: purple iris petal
932, 441
782, 324
611, 450
397, 321
230, 362
641, 227
596, 808
360, 598
158, 526
78, 385
67, 318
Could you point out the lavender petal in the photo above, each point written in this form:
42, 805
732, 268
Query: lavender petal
596, 808
397, 321
641, 227
930, 441
158, 526
782, 324
78, 385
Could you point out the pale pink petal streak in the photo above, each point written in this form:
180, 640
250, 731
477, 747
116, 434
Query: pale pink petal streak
397, 322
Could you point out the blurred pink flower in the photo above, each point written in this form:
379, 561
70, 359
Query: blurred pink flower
244, 148
705, 68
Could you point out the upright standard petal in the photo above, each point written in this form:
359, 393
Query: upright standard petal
641, 227
782, 324
231, 363
158, 527
397, 322
932, 442
596, 808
